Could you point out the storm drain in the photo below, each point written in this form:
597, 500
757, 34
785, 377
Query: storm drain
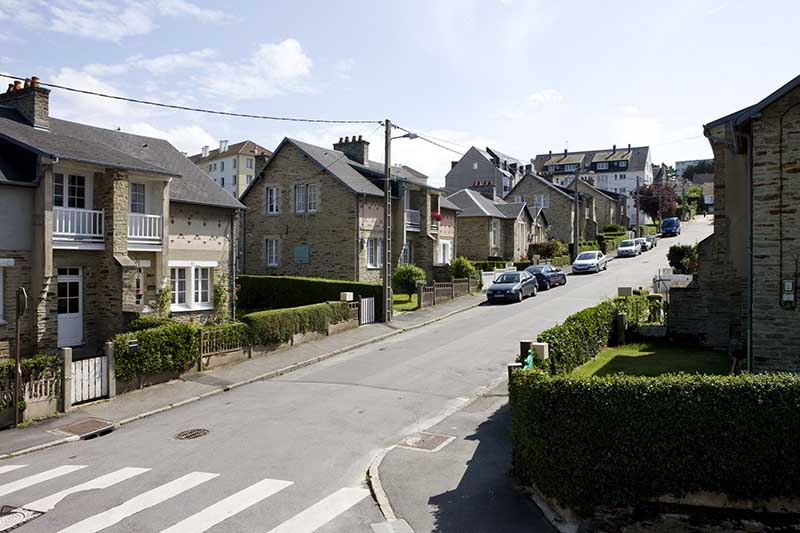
13, 517
88, 428
426, 442
190, 434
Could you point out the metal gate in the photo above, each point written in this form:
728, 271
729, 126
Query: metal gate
367, 311
89, 379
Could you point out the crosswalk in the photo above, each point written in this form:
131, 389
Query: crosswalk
310, 519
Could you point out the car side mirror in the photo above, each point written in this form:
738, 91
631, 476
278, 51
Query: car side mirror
557, 269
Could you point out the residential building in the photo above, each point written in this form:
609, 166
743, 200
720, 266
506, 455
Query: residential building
97, 224
703, 178
681, 166
491, 227
608, 207
234, 166
485, 165
744, 295
317, 211
708, 196
661, 174
616, 170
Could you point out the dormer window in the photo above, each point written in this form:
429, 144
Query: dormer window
571, 168
623, 164
602, 166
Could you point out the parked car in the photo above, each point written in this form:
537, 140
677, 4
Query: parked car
593, 261
641, 241
547, 276
671, 227
512, 286
629, 248
652, 240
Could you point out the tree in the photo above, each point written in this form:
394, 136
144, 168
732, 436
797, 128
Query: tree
461, 267
405, 277
683, 258
701, 167
657, 200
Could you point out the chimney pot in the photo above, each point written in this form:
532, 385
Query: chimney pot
629, 147
614, 148
27, 82
347, 139
223, 146
10, 88
565, 152
17, 85
550, 153
35, 81
360, 138
205, 151
341, 139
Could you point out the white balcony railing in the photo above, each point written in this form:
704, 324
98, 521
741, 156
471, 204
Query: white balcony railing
412, 219
144, 228
434, 226
71, 224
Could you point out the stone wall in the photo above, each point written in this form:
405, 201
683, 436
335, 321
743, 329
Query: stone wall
472, 239
559, 213
16, 276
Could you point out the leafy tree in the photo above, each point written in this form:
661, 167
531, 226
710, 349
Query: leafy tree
701, 167
657, 200
683, 258
405, 277
550, 249
461, 267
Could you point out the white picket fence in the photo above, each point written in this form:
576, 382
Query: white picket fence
89, 379
488, 277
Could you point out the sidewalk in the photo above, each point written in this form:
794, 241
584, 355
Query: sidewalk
466, 485
196, 386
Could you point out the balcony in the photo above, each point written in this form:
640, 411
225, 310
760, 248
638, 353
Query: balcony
412, 219
434, 226
77, 228
144, 231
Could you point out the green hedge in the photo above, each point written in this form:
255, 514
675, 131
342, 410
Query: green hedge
588, 246
486, 266
232, 332
550, 249
32, 367
149, 321
618, 440
277, 326
610, 241
281, 292
167, 348
613, 228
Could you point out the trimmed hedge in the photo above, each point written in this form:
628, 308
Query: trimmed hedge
232, 332
277, 326
610, 241
167, 348
550, 249
34, 367
618, 440
588, 246
486, 266
149, 321
282, 292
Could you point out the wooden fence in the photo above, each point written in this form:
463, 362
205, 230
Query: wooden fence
441, 292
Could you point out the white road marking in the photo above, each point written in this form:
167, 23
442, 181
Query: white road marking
233, 504
26, 482
323, 511
10, 468
139, 503
48, 503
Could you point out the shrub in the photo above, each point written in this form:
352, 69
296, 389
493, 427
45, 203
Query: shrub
588, 246
405, 278
281, 292
229, 333
613, 228
168, 348
149, 321
488, 265
683, 258
550, 249
38, 366
461, 267
496, 258
277, 326
610, 241
618, 440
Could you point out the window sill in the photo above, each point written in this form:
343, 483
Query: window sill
185, 308
374, 267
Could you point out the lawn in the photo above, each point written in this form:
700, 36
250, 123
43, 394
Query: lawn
653, 359
402, 302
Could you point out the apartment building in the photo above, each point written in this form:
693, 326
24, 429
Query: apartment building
233, 167
485, 165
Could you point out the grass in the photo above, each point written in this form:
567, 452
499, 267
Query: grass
404, 302
654, 359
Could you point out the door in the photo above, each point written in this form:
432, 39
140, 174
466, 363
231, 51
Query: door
70, 307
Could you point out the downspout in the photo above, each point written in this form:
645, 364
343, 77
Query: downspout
357, 258
749, 341
233, 267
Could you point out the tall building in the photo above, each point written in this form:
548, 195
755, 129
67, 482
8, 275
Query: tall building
232, 166
485, 165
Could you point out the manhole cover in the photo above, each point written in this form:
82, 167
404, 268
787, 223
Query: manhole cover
426, 442
12, 517
191, 434
88, 428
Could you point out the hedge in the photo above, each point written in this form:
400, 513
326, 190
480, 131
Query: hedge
588, 246
610, 241
550, 249
149, 321
232, 332
486, 266
282, 292
618, 440
34, 367
613, 228
276, 326
167, 348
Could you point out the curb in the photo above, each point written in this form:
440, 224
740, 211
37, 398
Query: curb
261, 377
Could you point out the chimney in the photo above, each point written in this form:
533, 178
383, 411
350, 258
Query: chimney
356, 149
550, 153
205, 151
565, 152
614, 149
30, 100
629, 147
485, 188
223, 146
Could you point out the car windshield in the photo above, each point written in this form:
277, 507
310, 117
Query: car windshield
536, 269
669, 222
586, 256
626, 244
508, 278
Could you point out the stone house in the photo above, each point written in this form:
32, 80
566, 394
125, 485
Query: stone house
490, 227
317, 211
232, 166
485, 165
96, 224
744, 295
607, 207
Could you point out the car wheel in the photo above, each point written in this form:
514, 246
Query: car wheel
519, 297
547, 285
605, 266
565, 281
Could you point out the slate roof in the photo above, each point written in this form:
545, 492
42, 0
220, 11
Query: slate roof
569, 159
444, 203
244, 147
511, 210
637, 158
474, 204
503, 157
541, 180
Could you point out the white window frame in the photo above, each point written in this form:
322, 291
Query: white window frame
299, 198
131, 186
249, 164
602, 165
494, 233
442, 245
190, 303
173, 282
274, 252
623, 164
275, 207
312, 207
570, 167
375, 246
222, 166
201, 295
234, 163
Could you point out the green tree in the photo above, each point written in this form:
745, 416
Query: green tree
461, 267
701, 167
405, 277
683, 258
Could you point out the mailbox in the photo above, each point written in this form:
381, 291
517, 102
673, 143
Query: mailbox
133, 346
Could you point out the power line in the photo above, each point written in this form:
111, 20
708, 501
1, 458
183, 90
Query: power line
429, 140
195, 109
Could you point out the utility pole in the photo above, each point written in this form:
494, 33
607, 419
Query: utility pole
387, 226
638, 221
22, 306
576, 229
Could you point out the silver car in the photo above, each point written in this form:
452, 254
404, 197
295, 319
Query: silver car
629, 248
593, 261
643, 243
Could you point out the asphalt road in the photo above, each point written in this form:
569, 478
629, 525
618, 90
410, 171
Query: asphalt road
291, 454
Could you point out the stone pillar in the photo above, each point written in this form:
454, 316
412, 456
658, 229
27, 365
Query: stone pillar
426, 244
541, 350
112, 369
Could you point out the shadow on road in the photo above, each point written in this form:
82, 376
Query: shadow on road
485, 499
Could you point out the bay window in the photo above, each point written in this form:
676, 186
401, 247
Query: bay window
191, 283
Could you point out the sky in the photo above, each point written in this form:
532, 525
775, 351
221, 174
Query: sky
524, 77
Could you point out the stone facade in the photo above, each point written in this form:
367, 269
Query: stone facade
472, 240
560, 209
15, 276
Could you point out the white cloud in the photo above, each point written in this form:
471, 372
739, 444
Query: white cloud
545, 96
189, 139
630, 109
179, 8
103, 112
159, 65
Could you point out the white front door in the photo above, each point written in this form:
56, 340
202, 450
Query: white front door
445, 252
70, 307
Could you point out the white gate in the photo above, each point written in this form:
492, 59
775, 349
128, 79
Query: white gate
367, 311
89, 379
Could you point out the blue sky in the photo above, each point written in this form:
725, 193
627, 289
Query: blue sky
522, 76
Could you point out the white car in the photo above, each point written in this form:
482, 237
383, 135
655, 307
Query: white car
593, 261
643, 243
629, 248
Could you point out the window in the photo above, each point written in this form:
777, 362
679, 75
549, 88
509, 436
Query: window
137, 197
209, 167
570, 168
622, 176
445, 256
299, 199
234, 162
312, 198
215, 166
139, 286
177, 278
475, 165
542, 200
602, 166
273, 206
249, 179
301, 254
70, 192
202, 280
272, 252
623, 164
235, 180
249, 163
506, 185
494, 232
221, 166
374, 253
222, 182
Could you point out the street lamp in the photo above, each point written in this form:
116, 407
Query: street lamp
576, 229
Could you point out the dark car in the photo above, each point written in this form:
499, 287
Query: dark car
547, 276
512, 286
671, 227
